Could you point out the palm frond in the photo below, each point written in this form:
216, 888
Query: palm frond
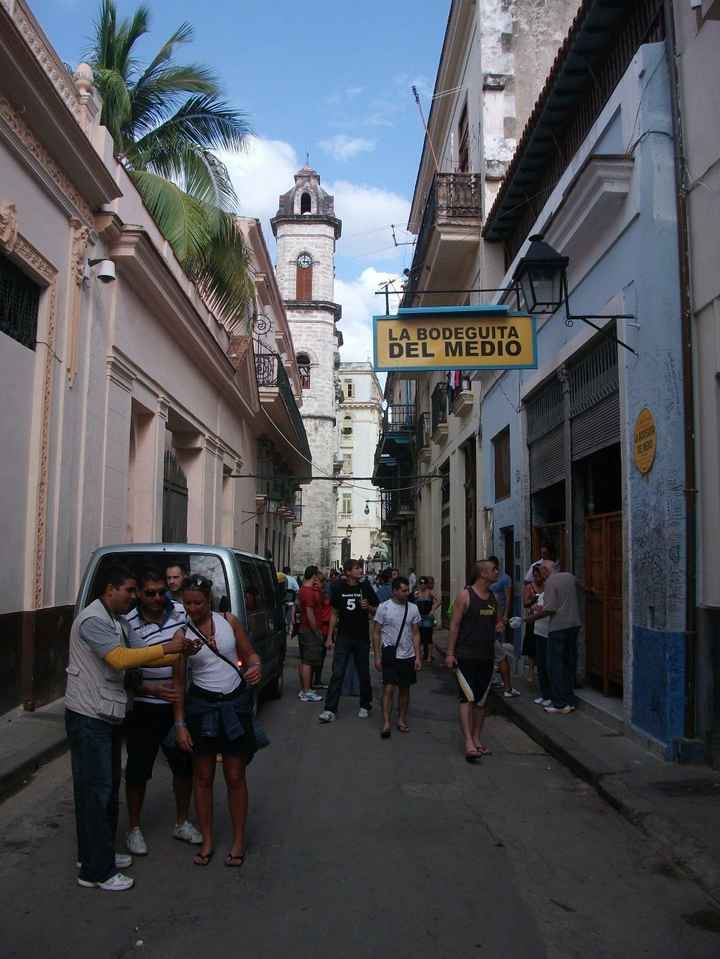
184, 222
183, 34
116, 104
128, 35
222, 272
156, 95
196, 170
206, 121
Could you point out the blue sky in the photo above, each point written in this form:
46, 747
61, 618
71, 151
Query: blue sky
331, 78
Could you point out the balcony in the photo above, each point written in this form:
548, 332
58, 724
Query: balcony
278, 401
399, 419
449, 235
440, 413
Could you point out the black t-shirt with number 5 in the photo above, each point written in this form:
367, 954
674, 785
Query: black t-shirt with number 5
352, 618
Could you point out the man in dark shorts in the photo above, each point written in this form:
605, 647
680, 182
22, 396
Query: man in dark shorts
155, 619
352, 603
396, 645
471, 649
311, 639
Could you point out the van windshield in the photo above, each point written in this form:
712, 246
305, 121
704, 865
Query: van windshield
137, 561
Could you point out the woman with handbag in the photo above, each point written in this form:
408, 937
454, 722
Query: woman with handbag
396, 648
215, 715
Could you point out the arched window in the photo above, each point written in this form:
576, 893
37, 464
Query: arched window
347, 425
306, 203
303, 362
303, 278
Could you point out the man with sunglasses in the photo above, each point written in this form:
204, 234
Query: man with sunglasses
150, 725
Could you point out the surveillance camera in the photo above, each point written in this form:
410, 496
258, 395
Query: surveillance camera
105, 270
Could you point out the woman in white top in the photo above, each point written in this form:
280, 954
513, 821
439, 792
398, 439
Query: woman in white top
541, 630
215, 715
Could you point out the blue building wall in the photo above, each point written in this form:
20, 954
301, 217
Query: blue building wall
639, 271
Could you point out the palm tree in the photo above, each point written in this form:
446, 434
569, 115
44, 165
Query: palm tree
166, 121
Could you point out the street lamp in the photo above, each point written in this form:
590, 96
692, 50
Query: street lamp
541, 275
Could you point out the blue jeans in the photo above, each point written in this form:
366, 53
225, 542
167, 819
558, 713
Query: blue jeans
95, 755
562, 663
345, 649
541, 662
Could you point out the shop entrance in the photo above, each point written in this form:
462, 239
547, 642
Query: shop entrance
598, 491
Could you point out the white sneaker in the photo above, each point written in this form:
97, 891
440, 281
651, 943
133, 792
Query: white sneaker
310, 696
363, 713
135, 842
122, 861
562, 710
116, 883
510, 693
186, 832
326, 716
539, 701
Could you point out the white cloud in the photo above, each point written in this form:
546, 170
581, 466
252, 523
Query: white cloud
343, 147
360, 304
260, 174
354, 91
367, 212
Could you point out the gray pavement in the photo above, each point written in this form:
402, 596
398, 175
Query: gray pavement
360, 848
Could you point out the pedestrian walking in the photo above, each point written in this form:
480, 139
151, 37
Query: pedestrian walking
412, 580
310, 637
323, 620
396, 647
383, 591
471, 650
541, 628
503, 591
353, 602
426, 602
215, 715
561, 608
95, 706
149, 727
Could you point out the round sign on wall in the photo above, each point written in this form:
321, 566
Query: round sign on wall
645, 441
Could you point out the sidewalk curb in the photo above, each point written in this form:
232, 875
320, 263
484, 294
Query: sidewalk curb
13, 779
684, 850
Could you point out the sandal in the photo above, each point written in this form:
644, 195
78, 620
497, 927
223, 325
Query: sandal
484, 751
385, 734
403, 727
472, 757
203, 858
234, 862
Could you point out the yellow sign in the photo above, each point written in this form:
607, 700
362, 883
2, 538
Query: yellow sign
645, 441
454, 338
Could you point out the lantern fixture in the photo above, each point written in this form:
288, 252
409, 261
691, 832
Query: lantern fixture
541, 276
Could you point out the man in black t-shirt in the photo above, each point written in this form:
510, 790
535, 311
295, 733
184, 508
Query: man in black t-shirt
353, 605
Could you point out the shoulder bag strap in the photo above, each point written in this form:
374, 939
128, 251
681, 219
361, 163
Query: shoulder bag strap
216, 652
402, 627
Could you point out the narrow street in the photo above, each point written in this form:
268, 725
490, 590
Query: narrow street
364, 848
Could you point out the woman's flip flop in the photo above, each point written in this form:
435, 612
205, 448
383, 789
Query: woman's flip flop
403, 727
234, 862
203, 858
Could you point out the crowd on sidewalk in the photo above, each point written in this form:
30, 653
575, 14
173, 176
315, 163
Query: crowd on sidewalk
155, 642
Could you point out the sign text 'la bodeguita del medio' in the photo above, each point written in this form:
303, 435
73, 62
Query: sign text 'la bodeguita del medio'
451, 338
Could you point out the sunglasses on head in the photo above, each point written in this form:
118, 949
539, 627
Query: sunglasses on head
154, 592
197, 582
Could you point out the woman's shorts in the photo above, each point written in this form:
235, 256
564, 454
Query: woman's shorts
478, 674
399, 672
311, 648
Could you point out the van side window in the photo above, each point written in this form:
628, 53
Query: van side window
255, 601
269, 588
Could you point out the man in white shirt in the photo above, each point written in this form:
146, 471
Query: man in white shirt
396, 648
155, 619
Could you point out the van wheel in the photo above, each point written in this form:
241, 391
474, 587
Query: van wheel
276, 686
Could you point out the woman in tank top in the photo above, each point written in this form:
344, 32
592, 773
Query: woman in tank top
426, 601
215, 714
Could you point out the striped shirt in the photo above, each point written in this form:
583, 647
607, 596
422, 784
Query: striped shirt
142, 633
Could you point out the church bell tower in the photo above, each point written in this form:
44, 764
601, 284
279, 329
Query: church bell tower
307, 229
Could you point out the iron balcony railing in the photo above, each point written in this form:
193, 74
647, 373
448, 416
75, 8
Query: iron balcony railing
439, 405
452, 196
422, 431
399, 418
270, 372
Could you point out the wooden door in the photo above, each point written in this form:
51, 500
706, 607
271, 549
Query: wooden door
604, 601
175, 501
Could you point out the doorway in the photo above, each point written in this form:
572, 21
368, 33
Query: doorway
175, 501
